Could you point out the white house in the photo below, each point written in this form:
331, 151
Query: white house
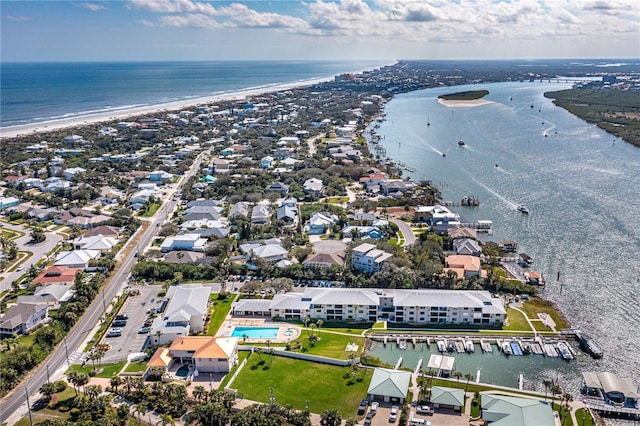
192, 242
366, 257
185, 313
76, 258
314, 187
72, 172
96, 242
160, 175
260, 215
21, 318
6, 202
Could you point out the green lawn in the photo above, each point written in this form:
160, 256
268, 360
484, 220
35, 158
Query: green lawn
136, 367
584, 417
220, 310
108, 370
330, 344
66, 398
295, 382
517, 321
535, 305
241, 357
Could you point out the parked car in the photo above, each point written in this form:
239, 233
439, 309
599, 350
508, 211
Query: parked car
374, 407
122, 317
393, 414
114, 332
119, 323
143, 330
363, 406
424, 409
148, 322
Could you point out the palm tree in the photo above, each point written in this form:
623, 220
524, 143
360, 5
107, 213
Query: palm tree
48, 389
312, 327
93, 391
320, 322
467, 376
199, 393
457, 375
330, 418
306, 320
115, 382
547, 384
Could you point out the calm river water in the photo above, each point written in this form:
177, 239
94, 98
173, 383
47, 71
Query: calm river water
582, 187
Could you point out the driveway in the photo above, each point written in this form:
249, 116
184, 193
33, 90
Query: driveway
39, 251
409, 236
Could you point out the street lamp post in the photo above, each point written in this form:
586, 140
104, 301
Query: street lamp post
26, 392
66, 351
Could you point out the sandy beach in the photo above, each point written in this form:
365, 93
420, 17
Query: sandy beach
469, 103
125, 114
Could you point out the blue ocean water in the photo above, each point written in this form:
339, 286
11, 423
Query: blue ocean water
44, 92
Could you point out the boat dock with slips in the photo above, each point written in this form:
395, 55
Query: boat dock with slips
508, 345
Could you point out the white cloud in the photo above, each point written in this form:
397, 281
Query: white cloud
12, 18
190, 21
94, 7
173, 6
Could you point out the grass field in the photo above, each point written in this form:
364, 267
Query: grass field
330, 344
220, 310
535, 305
517, 321
108, 370
136, 367
295, 382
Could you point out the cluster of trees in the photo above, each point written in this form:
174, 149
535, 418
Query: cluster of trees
162, 271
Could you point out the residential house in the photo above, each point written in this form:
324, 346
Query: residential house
449, 398
389, 385
160, 176
220, 165
270, 251
239, 210
462, 232
313, 187
440, 218
205, 353
21, 318
503, 410
464, 266
56, 275
106, 230
184, 314
52, 294
279, 187
185, 257
72, 172
323, 260
260, 214
6, 202
320, 222
97, 242
267, 162
466, 246
393, 188
366, 257
191, 242
509, 246
76, 258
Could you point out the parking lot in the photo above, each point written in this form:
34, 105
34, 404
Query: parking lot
136, 308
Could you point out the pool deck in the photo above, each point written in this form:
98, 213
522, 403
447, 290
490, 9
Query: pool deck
283, 329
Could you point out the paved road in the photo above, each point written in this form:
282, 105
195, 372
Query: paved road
16, 400
409, 236
39, 251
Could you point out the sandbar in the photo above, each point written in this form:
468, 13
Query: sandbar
128, 113
464, 103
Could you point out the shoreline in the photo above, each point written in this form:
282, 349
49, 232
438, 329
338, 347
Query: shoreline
464, 103
108, 116
125, 113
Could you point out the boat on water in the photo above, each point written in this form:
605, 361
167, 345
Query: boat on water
515, 348
506, 348
441, 346
468, 345
523, 209
461, 142
469, 201
589, 345
565, 352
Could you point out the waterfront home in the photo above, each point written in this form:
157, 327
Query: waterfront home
462, 232
464, 266
467, 246
205, 353
610, 389
184, 314
393, 188
23, 317
440, 218
389, 385
503, 410
191, 242
509, 246
366, 257
424, 306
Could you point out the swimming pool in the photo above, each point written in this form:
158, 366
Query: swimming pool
183, 371
256, 332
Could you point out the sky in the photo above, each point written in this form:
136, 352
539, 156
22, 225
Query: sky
147, 30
